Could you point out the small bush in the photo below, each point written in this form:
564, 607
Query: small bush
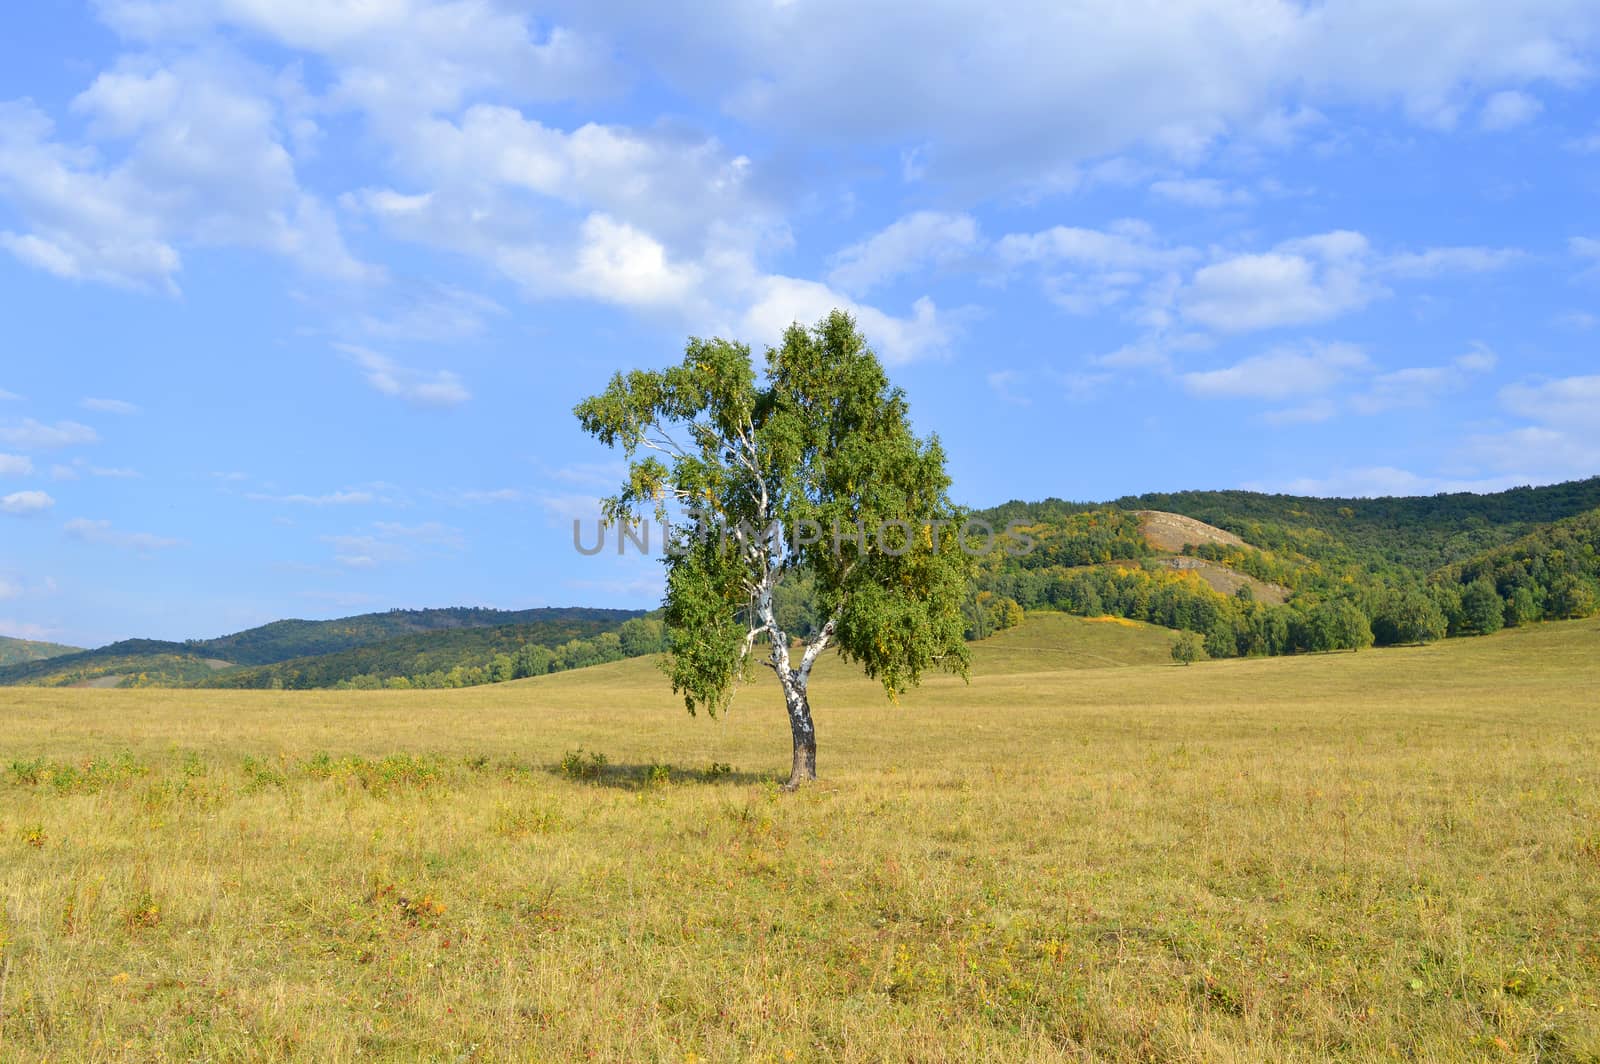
575, 764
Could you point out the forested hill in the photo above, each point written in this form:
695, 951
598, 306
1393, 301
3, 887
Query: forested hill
437, 647
1419, 532
286, 640
1284, 574
16, 651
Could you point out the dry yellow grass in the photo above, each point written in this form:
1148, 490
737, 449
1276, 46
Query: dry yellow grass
1388, 855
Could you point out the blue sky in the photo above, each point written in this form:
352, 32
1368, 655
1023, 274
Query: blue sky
298, 294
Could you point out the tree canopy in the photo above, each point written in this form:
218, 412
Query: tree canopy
810, 473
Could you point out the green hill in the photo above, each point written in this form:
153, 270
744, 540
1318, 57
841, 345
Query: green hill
383, 646
147, 661
464, 657
286, 640
17, 651
1280, 574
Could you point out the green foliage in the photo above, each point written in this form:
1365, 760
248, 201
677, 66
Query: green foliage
1409, 615
455, 647
1483, 611
19, 651
822, 446
575, 764
286, 640
456, 657
1414, 534
1552, 573
1186, 648
1356, 571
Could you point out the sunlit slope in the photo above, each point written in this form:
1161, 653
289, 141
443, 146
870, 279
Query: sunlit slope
1368, 856
627, 708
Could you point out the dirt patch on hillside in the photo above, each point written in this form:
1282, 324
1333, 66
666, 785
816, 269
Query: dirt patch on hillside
1173, 532
100, 682
1227, 581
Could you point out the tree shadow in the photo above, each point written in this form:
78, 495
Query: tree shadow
631, 776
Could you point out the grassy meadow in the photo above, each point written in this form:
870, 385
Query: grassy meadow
1088, 854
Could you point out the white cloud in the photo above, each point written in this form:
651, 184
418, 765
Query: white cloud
913, 243
1279, 374
1571, 403
9, 589
435, 314
109, 406
26, 503
1508, 109
15, 465
1563, 440
8, 397
1125, 245
189, 152
103, 534
475, 496
961, 94
335, 498
36, 435
1421, 385
1200, 192
1088, 270
440, 388
394, 57
1436, 261
10, 626
1300, 282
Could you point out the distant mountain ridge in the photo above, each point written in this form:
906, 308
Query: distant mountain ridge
204, 660
284, 640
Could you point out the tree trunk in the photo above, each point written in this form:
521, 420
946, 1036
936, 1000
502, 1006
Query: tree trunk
805, 737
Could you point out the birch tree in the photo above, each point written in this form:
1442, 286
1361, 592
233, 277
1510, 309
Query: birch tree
811, 469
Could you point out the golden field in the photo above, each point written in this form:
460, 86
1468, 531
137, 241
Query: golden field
1087, 854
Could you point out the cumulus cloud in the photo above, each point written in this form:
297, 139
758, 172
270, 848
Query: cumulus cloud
398, 57
1571, 403
186, 153
26, 503
1087, 270
919, 240
1172, 79
1284, 372
1312, 279
102, 533
15, 465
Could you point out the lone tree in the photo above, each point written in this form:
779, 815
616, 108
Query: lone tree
814, 472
